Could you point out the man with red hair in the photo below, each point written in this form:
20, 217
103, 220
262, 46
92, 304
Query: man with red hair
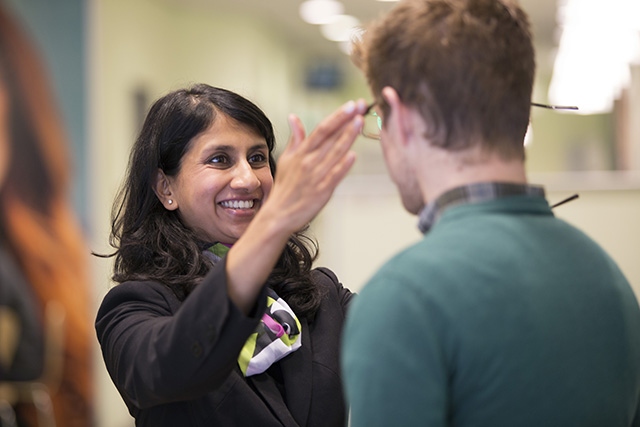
503, 314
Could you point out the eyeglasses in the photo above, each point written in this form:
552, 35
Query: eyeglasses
562, 202
555, 107
373, 122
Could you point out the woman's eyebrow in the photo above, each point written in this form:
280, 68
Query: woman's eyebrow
261, 145
223, 147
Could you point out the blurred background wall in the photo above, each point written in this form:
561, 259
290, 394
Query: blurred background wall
109, 59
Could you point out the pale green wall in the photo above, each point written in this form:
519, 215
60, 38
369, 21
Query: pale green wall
564, 142
57, 31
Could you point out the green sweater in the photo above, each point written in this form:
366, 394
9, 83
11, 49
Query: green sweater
503, 315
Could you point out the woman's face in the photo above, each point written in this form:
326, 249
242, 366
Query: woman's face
223, 180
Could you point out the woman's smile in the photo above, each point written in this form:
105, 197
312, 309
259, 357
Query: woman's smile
237, 204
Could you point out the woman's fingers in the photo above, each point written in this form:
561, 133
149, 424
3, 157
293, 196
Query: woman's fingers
339, 171
312, 166
343, 142
330, 128
297, 131
303, 165
334, 159
330, 140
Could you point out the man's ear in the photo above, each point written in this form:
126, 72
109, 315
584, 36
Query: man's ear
399, 114
162, 188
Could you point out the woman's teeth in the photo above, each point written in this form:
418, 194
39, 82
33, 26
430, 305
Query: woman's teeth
237, 204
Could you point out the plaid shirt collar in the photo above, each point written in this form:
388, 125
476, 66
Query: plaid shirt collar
473, 193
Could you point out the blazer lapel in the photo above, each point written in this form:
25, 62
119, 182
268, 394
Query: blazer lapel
272, 397
297, 370
297, 374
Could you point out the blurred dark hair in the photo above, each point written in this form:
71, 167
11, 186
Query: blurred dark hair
151, 242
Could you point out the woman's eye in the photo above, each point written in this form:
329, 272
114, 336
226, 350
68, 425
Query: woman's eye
258, 158
220, 159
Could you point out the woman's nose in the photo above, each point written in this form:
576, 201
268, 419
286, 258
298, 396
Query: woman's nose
244, 177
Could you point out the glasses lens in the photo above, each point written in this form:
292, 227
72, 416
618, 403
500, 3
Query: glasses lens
372, 126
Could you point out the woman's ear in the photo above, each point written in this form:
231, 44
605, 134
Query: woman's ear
162, 188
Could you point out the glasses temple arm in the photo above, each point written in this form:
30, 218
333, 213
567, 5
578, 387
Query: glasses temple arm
555, 107
562, 202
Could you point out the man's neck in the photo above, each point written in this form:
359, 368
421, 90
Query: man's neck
447, 170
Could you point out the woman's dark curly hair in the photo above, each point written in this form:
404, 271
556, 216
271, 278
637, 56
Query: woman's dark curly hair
151, 242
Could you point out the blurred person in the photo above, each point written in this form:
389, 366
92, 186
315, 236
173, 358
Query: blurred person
22, 351
503, 314
42, 249
218, 317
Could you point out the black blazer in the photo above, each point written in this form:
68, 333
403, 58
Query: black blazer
175, 363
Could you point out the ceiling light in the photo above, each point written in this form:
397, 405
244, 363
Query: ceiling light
592, 68
345, 47
320, 12
354, 37
342, 28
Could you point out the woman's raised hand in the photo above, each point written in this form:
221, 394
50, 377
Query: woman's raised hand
308, 171
312, 166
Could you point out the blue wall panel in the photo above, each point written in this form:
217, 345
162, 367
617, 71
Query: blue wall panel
57, 27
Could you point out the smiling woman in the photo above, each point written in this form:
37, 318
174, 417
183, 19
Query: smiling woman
223, 179
218, 311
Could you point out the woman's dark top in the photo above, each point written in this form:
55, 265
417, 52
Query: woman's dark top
175, 363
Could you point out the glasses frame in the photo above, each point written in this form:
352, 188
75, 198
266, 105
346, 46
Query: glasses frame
555, 107
369, 135
364, 132
563, 201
